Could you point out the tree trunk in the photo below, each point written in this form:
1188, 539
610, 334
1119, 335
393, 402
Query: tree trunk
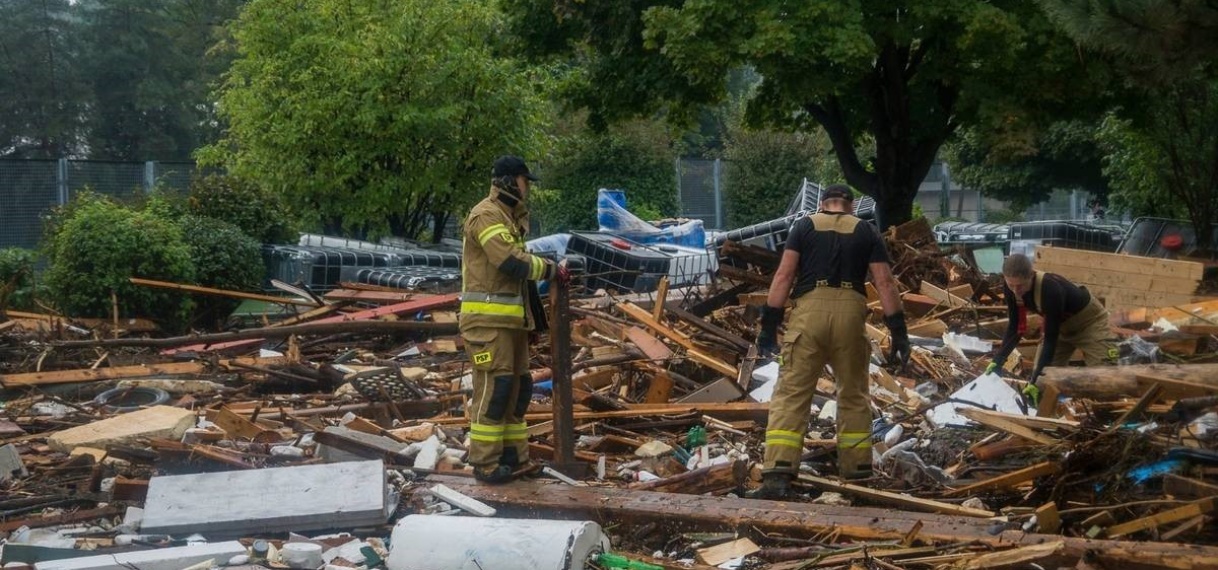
439, 220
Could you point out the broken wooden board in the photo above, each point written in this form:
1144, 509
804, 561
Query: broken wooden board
894, 499
1020, 557
277, 499
223, 292
420, 303
1185, 512
942, 296
1009, 480
991, 420
533, 499
378, 297
639, 314
1124, 281
119, 372
720, 553
655, 350
1115, 382
1188, 488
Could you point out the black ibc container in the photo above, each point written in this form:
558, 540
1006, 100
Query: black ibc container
619, 264
419, 257
414, 277
1064, 234
971, 233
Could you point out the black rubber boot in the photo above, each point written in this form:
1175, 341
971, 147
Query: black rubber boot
774, 486
497, 475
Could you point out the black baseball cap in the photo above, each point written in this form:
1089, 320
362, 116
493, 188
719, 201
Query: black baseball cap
837, 191
509, 165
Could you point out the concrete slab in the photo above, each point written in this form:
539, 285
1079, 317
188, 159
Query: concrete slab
157, 421
299, 498
10, 463
159, 559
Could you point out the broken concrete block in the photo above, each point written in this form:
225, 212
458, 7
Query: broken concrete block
10, 463
157, 421
413, 374
297, 498
653, 448
160, 559
429, 453
462, 501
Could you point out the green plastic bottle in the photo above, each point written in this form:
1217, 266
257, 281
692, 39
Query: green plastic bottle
696, 437
616, 561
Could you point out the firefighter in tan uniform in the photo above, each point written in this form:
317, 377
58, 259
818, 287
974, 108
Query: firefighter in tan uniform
499, 306
823, 269
1073, 318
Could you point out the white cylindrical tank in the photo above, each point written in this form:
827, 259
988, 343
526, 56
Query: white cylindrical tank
435, 542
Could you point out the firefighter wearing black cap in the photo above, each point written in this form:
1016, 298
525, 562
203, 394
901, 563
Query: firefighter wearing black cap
499, 306
823, 269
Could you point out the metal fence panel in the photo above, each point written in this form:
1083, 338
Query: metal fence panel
121, 180
28, 191
697, 183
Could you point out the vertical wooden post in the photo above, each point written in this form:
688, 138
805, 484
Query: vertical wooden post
563, 402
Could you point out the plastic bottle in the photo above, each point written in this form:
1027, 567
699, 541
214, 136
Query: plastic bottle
696, 437
616, 561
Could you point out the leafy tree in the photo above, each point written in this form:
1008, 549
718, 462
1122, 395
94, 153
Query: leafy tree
16, 278
43, 95
151, 76
765, 168
258, 213
636, 157
374, 117
1065, 154
1163, 143
909, 74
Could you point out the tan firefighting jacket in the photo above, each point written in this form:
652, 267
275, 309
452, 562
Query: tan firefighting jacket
496, 268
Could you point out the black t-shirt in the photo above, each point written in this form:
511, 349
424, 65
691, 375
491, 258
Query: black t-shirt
835, 250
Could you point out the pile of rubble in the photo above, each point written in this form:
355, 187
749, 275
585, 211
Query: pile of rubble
303, 442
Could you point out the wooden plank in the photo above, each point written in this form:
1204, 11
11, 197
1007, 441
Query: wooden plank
657, 312
1193, 509
415, 305
382, 297
237, 427
1118, 279
1021, 557
1136, 411
893, 499
963, 291
606, 505
1121, 262
933, 328
223, 292
656, 350
1008, 480
1006, 425
1188, 488
732, 411
720, 553
1174, 389
636, 312
659, 388
1047, 518
66, 518
136, 371
941, 295
1113, 382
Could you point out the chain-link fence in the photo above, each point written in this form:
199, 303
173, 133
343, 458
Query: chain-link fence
29, 189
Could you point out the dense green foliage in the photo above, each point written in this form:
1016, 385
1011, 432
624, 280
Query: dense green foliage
764, 169
224, 258
637, 159
376, 117
97, 245
110, 79
909, 75
238, 201
16, 279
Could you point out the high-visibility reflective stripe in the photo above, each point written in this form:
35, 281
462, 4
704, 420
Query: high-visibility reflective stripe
516, 432
784, 437
491, 232
539, 267
487, 433
854, 439
484, 308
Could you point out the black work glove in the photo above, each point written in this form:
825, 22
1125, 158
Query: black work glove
767, 339
898, 350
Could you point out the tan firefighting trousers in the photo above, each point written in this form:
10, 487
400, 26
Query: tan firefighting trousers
826, 326
502, 390
1087, 331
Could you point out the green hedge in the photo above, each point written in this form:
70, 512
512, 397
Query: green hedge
17, 286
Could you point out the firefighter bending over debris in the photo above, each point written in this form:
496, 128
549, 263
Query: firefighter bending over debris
1073, 318
499, 307
826, 258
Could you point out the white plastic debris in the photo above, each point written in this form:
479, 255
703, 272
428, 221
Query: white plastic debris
653, 448
987, 391
264, 353
829, 412
768, 376
965, 344
1164, 325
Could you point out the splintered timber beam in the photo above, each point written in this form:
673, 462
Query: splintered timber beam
537, 499
1110, 382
